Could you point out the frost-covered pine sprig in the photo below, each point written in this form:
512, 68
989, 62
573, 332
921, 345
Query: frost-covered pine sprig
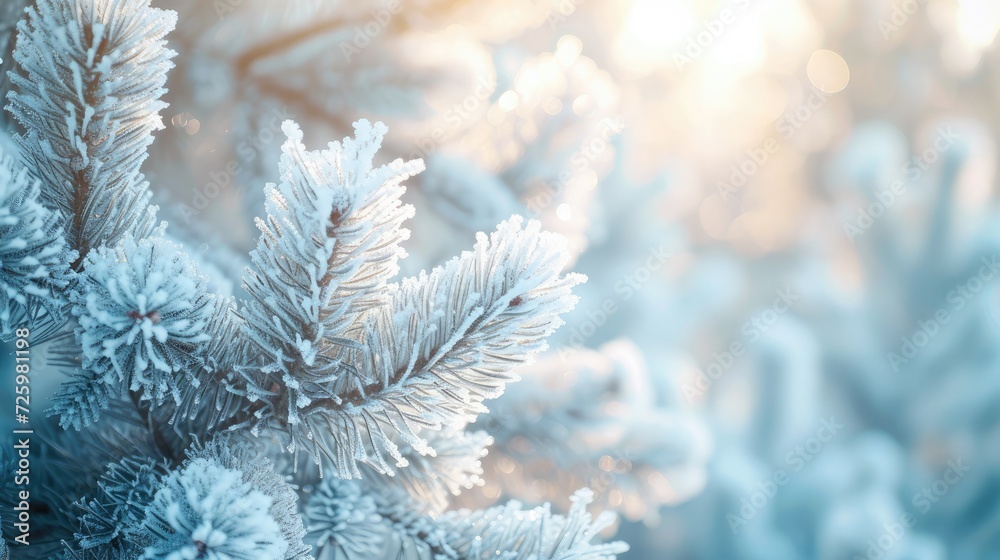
433, 479
142, 311
111, 521
330, 242
357, 367
509, 532
451, 339
353, 518
259, 472
343, 521
34, 258
224, 502
88, 95
207, 511
464, 328
349, 517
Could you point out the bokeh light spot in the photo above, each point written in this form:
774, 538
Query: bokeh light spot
828, 71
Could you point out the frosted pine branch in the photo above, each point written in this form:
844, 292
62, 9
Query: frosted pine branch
510, 533
35, 259
142, 311
225, 502
352, 517
343, 521
329, 243
110, 523
81, 400
450, 340
88, 94
432, 479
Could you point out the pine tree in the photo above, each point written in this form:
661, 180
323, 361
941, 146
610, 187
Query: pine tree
196, 416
